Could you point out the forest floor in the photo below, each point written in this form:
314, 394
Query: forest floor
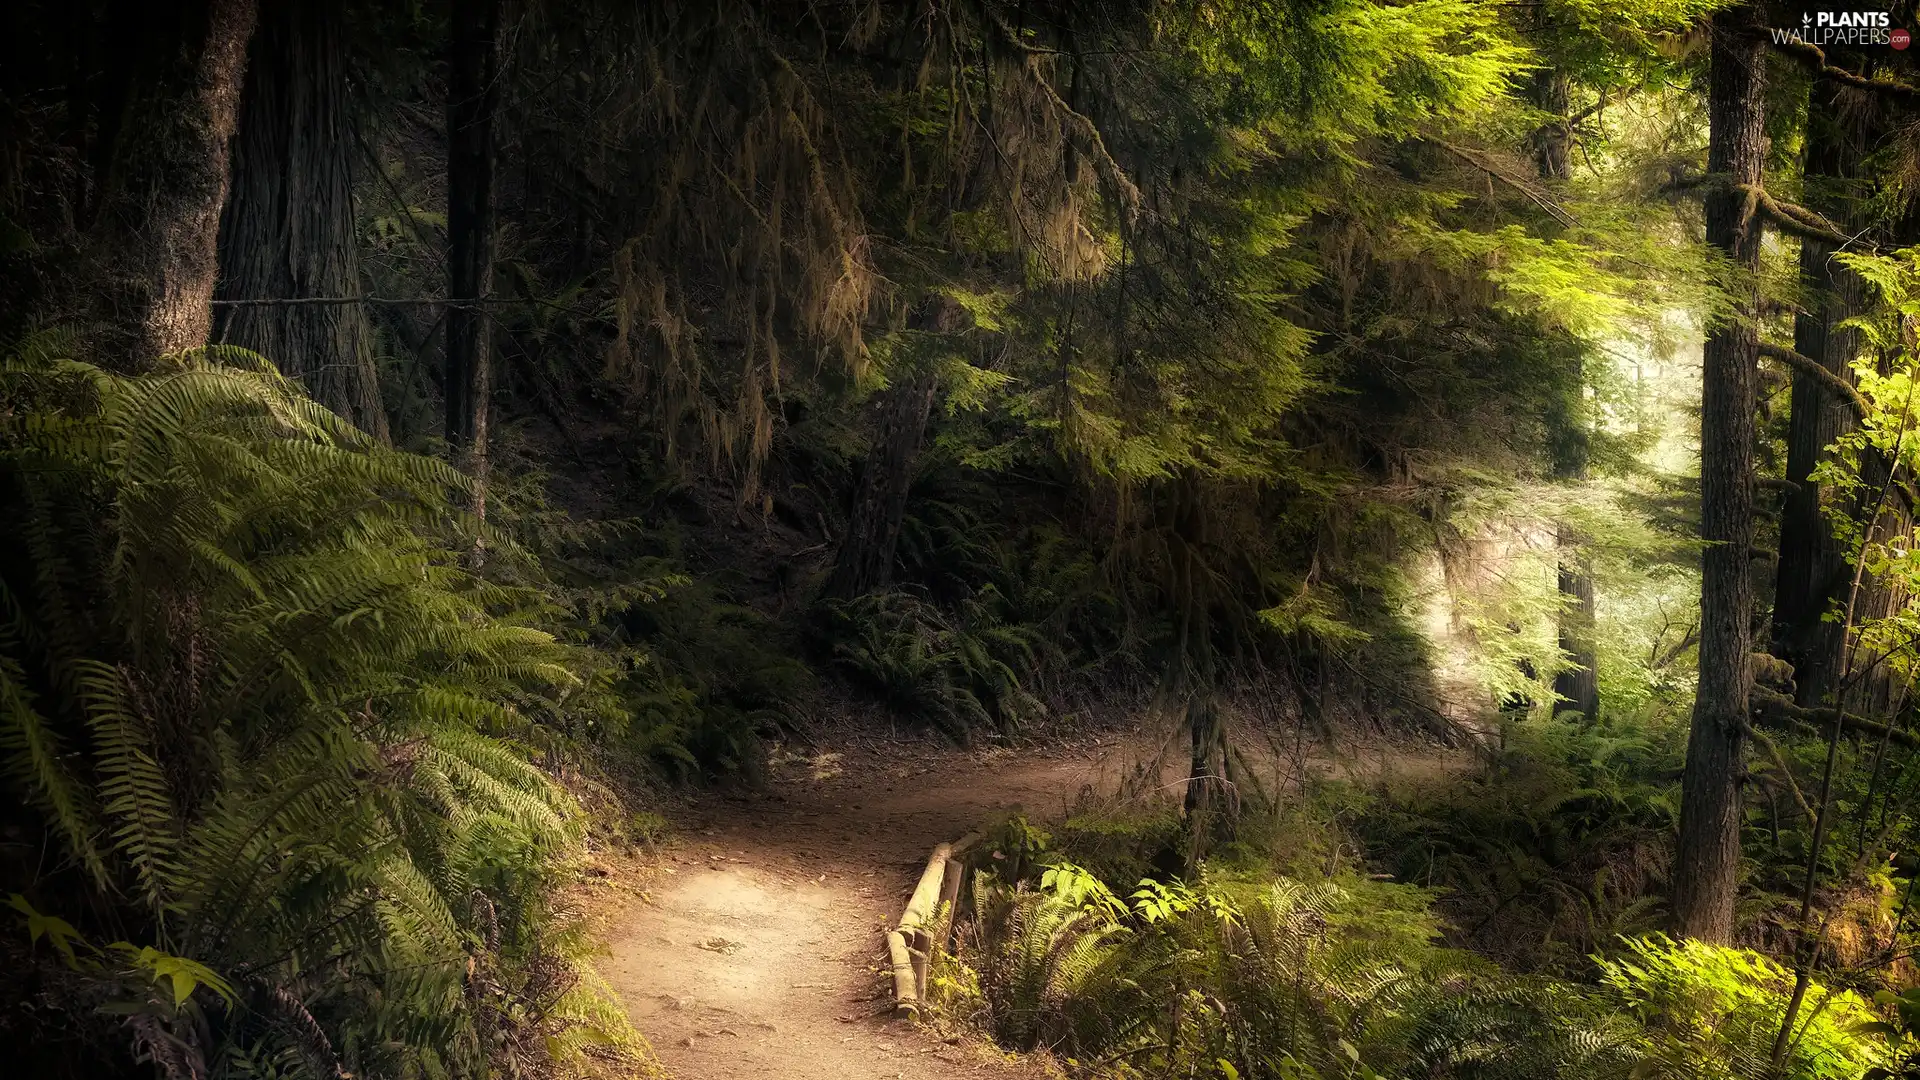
752, 944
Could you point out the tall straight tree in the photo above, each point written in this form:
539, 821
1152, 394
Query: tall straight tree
288, 230
472, 99
1577, 687
1813, 569
168, 167
1707, 859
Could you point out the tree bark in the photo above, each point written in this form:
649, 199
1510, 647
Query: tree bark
864, 561
1707, 859
288, 230
472, 99
1814, 572
159, 218
1553, 141
1813, 568
1578, 686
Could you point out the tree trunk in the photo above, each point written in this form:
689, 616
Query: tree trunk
1813, 570
159, 218
1553, 141
864, 561
1707, 860
288, 230
472, 97
1578, 686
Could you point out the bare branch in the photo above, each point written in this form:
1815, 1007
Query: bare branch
1794, 219
1539, 198
1772, 705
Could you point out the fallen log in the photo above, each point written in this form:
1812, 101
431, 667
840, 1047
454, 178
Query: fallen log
1771, 705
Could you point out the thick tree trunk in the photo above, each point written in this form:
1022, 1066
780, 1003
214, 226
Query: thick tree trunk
288, 230
159, 218
472, 98
864, 561
1707, 861
1813, 571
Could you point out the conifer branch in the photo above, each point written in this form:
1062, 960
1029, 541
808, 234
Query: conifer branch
1090, 132
1807, 365
1539, 198
1814, 59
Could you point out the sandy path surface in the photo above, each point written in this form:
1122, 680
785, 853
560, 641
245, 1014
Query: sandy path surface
757, 951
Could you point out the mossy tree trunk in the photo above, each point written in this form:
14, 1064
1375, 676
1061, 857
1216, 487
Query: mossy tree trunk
165, 156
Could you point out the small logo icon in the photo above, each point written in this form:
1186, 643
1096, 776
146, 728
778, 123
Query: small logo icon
1900, 39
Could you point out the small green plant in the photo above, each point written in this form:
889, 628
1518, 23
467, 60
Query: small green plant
648, 830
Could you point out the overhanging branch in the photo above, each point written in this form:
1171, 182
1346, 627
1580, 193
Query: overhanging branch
1814, 59
1539, 198
1792, 218
1770, 704
1829, 380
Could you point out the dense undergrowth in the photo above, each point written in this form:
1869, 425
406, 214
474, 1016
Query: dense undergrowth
1288, 955
288, 765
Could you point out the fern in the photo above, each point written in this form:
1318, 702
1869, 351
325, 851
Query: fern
249, 688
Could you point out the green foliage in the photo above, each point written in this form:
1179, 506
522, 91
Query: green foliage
959, 672
273, 728
1713, 1012
1557, 847
1249, 974
1262, 978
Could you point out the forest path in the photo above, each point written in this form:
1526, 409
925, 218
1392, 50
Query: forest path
756, 949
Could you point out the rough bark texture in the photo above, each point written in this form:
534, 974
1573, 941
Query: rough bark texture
288, 230
159, 218
1707, 860
1814, 573
1578, 687
1813, 570
864, 561
472, 96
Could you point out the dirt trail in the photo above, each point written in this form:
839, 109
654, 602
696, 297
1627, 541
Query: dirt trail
757, 950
